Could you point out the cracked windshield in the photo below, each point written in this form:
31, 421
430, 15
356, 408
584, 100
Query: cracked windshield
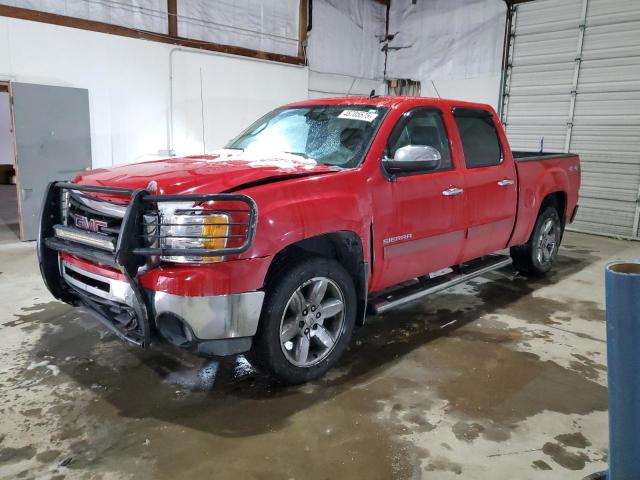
335, 135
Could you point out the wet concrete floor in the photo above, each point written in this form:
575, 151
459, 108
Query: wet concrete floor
500, 378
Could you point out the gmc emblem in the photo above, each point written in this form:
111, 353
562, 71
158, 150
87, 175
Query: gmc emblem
88, 223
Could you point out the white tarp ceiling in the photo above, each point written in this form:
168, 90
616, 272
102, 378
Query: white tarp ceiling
150, 15
445, 39
345, 38
267, 25
453, 47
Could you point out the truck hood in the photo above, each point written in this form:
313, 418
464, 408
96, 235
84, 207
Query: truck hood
219, 172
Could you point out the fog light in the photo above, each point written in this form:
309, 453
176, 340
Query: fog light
86, 238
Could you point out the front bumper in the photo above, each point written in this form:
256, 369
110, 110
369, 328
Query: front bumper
106, 282
214, 324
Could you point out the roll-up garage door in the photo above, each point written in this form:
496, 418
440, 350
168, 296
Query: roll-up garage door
573, 84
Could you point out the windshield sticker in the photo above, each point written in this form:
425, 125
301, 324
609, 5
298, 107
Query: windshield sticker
358, 115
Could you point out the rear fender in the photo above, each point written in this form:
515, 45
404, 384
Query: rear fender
539, 182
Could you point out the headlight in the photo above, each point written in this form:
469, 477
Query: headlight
193, 228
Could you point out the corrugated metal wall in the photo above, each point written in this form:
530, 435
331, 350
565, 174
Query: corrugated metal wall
574, 80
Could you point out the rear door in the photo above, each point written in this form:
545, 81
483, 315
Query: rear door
490, 182
52, 143
427, 232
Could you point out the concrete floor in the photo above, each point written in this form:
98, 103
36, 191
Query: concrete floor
502, 378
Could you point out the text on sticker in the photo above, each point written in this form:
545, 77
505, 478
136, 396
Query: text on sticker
358, 115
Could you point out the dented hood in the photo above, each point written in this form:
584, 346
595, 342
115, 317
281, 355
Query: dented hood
216, 173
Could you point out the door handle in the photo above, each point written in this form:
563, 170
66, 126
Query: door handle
452, 191
505, 183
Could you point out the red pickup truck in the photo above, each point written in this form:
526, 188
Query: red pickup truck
318, 213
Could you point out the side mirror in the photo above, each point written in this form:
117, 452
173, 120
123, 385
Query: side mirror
413, 158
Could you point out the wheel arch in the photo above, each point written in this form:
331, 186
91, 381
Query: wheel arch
557, 199
344, 246
530, 209
523, 254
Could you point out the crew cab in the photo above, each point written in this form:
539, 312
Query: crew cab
319, 213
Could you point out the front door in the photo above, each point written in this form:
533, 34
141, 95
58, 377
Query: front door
427, 232
52, 143
491, 183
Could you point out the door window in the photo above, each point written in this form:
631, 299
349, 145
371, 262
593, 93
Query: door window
480, 142
421, 127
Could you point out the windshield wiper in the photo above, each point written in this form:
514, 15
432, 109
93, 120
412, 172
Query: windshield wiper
300, 154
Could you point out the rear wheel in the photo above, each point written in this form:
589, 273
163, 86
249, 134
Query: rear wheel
536, 257
307, 320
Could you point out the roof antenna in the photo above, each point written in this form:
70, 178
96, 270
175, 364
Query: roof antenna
373, 94
434, 87
541, 144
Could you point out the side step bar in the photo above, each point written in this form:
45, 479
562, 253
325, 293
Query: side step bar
427, 286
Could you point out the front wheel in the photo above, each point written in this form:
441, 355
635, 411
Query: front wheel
536, 257
307, 320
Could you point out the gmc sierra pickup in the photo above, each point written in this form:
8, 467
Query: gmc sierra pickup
320, 212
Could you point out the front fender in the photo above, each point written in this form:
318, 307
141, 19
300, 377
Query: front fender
288, 212
303, 208
283, 221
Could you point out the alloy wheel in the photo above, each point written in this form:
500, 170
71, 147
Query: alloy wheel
547, 242
312, 322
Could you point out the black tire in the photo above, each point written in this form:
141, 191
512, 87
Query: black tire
269, 347
535, 258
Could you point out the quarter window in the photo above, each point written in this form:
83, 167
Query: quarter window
480, 142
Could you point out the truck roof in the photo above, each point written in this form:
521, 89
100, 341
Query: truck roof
389, 102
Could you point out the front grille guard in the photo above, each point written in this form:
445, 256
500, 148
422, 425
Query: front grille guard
131, 251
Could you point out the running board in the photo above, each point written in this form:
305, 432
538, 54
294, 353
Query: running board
427, 286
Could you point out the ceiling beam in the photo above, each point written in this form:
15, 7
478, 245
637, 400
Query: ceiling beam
172, 18
303, 23
94, 26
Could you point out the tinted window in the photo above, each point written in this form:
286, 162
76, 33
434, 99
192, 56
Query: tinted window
480, 141
421, 127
